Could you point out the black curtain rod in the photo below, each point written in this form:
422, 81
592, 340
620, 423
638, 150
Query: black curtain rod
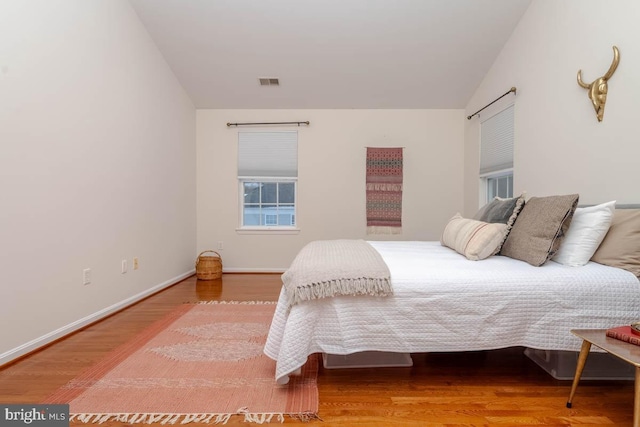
513, 89
268, 123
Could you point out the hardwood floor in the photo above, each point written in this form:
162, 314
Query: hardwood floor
495, 388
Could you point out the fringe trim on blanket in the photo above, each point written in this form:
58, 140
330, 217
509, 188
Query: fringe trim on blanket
164, 419
362, 286
380, 229
237, 302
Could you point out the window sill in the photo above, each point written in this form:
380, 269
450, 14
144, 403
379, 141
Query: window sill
267, 230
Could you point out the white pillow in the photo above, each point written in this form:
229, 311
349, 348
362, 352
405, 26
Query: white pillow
586, 232
474, 239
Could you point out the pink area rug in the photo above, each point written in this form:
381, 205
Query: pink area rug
201, 363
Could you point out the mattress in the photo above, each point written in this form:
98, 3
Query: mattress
443, 302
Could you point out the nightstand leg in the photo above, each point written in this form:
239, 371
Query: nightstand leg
636, 400
582, 359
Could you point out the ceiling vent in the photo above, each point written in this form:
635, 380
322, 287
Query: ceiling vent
269, 82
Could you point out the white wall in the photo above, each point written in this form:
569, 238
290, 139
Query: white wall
560, 147
97, 164
331, 178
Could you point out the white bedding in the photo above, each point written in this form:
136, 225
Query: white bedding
444, 302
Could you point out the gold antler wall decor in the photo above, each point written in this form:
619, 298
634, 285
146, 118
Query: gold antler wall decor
599, 88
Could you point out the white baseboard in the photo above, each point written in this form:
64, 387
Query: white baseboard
35, 344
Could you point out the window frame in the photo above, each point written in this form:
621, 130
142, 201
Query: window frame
485, 177
484, 184
258, 229
268, 163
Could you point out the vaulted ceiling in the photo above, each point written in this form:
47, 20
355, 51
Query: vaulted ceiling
330, 53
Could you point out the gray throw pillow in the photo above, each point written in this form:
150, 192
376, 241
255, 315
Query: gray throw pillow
503, 211
540, 228
497, 210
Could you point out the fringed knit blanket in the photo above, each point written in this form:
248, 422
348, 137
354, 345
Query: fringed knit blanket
327, 268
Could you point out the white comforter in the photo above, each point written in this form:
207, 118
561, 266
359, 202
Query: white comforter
444, 302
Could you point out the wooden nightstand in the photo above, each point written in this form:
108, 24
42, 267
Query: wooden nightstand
630, 353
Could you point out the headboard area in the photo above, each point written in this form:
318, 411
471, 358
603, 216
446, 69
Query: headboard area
621, 245
618, 206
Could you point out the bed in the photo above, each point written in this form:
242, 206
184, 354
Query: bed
443, 302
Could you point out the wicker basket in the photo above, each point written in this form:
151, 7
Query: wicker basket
209, 267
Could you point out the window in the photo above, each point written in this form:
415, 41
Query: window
500, 186
268, 203
496, 155
267, 175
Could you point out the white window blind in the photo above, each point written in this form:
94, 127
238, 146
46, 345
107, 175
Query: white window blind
496, 142
268, 154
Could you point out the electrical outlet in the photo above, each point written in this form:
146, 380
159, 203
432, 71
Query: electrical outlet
124, 266
136, 264
220, 245
86, 276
